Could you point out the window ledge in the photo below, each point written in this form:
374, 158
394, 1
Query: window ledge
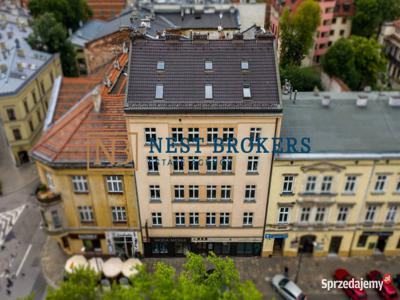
249, 201
377, 193
116, 193
155, 201
151, 173
287, 194
348, 194
251, 173
81, 193
119, 222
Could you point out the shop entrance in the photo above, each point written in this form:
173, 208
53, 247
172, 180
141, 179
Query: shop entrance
124, 246
381, 244
279, 244
334, 246
307, 244
23, 157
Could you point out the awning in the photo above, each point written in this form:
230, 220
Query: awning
75, 262
129, 267
96, 264
112, 267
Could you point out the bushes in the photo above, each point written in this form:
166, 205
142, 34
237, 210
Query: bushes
302, 79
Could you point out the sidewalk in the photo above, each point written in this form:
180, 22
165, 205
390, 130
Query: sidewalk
53, 262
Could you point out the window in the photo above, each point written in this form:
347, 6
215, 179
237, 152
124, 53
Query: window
114, 184
350, 184
160, 65
252, 164
211, 192
193, 135
362, 240
320, 214
34, 97
39, 116
50, 182
178, 163
310, 185
391, 214
226, 163
332, 32
179, 192
152, 164
250, 193
194, 218
26, 106
17, 134
212, 134
305, 214
159, 91
225, 192
42, 87
80, 184
11, 114
244, 65
31, 126
255, 134
86, 213
246, 91
180, 219
208, 65
51, 77
247, 218
118, 214
283, 217
193, 192
341, 32
344, 20
56, 219
210, 219
398, 187
228, 133
150, 134
288, 181
380, 183
370, 215
156, 218
193, 163
224, 218
212, 163
326, 184
177, 134
155, 194
342, 215
208, 91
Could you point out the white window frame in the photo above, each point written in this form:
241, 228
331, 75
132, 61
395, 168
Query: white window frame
228, 133
371, 213
350, 184
86, 213
160, 65
305, 214
193, 134
391, 214
213, 162
180, 219
208, 65
380, 183
244, 65
178, 164
156, 218
177, 134
288, 184
180, 191
80, 183
398, 186
194, 219
283, 215
311, 184
211, 192
255, 133
159, 91
194, 189
211, 219
150, 133
343, 213
114, 183
212, 134
208, 91
155, 192
226, 163
224, 218
50, 181
320, 214
252, 164
326, 184
250, 193
248, 218
246, 91
193, 164
152, 164
118, 214
226, 190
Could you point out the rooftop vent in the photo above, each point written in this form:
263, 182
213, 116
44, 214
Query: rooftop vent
96, 100
32, 66
200, 37
326, 100
20, 53
362, 100
107, 82
394, 101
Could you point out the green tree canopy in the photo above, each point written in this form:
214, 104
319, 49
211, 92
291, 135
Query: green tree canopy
302, 79
357, 61
296, 32
50, 36
68, 12
371, 14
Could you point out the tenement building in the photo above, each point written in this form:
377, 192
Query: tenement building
88, 192
192, 93
343, 198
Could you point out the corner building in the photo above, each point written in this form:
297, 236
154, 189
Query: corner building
202, 89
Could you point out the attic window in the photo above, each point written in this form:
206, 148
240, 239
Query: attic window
208, 91
246, 91
160, 65
159, 91
208, 65
244, 65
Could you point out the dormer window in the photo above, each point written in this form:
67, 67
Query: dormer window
244, 65
208, 91
246, 91
159, 91
208, 65
160, 65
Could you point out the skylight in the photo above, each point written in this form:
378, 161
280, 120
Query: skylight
159, 91
208, 65
208, 91
160, 65
244, 65
246, 91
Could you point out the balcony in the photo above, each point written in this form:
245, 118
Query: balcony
46, 197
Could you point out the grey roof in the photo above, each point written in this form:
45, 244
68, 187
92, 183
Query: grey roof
184, 77
343, 127
19, 64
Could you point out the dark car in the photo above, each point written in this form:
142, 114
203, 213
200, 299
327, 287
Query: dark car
352, 293
388, 291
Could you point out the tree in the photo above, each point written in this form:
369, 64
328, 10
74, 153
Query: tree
357, 61
371, 14
68, 12
302, 79
296, 32
50, 36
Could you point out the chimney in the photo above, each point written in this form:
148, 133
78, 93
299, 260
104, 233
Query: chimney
394, 101
96, 100
362, 100
326, 100
267, 19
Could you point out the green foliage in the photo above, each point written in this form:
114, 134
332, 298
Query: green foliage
371, 14
357, 61
164, 284
296, 32
31, 296
50, 36
67, 12
302, 79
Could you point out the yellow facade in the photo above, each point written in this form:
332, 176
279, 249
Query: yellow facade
23, 113
76, 235
351, 209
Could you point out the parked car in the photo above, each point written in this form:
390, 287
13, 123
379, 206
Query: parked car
352, 293
396, 281
388, 291
287, 288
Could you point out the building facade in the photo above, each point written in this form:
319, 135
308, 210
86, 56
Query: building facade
390, 39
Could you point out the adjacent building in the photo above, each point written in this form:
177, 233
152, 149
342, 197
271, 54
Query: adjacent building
26, 81
343, 198
390, 39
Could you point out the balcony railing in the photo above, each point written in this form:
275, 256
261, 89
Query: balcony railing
45, 196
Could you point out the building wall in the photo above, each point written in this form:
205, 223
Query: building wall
366, 173
36, 110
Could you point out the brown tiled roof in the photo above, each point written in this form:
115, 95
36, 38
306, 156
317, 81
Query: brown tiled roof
106, 9
73, 139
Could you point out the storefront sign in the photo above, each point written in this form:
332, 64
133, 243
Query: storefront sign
110, 235
169, 239
226, 240
87, 236
276, 236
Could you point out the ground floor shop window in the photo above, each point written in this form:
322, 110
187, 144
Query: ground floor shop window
159, 248
362, 241
91, 245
